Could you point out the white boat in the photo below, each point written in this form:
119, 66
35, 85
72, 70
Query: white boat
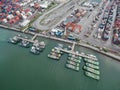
14, 40
89, 74
25, 43
34, 51
72, 67
73, 63
91, 70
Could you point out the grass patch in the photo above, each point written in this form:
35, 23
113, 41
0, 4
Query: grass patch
52, 5
105, 49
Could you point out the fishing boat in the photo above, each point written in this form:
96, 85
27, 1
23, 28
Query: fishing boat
91, 61
37, 46
91, 70
92, 66
89, 74
25, 43
53, 57
70, 55
72, 67
73, 63
34, 51
82, 53
74, 60
56, 50
80, 58
59, 45
42, 45
14, 40
69, 47
92, 56
56, 54
74, 56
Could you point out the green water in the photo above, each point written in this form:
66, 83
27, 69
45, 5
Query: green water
96, 1
21, 70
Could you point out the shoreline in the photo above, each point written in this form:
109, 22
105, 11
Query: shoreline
111, 55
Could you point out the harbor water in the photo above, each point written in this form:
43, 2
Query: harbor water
21, 70
96, 1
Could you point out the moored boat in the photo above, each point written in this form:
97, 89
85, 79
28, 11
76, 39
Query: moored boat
59, 45
92, 75
91, 70
91, 61
34, 51
74, 56
70, 55
14, 40
39, 46
56, 50
80, 58
72, 67
73, 59
42, 45
93, 56
25, 43
92, 66
73, 63
53, 57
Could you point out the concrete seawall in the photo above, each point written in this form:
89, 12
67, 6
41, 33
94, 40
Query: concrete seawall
10, 28
111, 55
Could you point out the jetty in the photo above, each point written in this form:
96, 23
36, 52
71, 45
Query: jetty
32, 40
73, 46
24, 30
29, 40
78, 54
34, 37
55, 38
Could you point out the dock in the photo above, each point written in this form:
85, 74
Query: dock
34, 37
115, 57
78, 54
32, 40
24, 30
29, 40
73, 46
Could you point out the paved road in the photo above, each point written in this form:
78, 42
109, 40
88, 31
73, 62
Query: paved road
99, 42
56, 15
85, 22
37, 25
